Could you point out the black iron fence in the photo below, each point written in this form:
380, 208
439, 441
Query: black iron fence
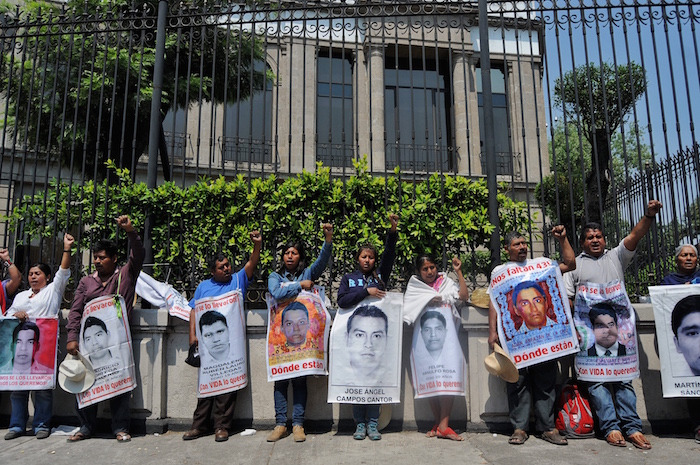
584, 96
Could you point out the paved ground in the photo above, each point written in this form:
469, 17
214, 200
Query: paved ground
333, 448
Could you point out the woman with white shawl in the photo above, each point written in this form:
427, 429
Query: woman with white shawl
437, 361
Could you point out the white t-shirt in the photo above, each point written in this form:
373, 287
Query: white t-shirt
46, 303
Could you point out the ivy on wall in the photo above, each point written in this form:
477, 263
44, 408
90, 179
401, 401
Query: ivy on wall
444, 215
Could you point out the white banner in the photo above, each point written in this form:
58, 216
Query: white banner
365, 352
605, 320
297, 337
437, 361
220, 326
162, 295
28, 354
534, 316
105, 340
677, 316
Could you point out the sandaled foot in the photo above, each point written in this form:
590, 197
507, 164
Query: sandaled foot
123, 436
432, 433
616, 439
77, 437
448, 433
518, 437
639, 441
553, 437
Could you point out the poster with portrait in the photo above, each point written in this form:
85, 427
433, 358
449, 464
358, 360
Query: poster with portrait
534, 317
297, 337
365, 352
105, 340
28, 354
221, 330
677, 317
437, 361
605, 320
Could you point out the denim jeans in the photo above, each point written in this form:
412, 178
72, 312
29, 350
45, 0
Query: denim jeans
615, 405
536, 383
121, 415
43, 408
365, 413
299, 398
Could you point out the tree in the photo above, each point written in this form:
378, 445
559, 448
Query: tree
597, 99
80, 87
570, 158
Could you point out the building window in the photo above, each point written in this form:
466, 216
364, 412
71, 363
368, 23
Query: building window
334, 108
501, 125
417, 108
248, 125
177, 140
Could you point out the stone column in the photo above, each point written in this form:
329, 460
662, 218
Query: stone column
375, 74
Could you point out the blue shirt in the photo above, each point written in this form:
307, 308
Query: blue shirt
212, 288
275, 281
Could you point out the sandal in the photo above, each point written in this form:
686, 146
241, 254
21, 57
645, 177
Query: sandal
553, 437
123, 436
639, 441
518, 437
433, 432
615, 438
77, 437
448, 433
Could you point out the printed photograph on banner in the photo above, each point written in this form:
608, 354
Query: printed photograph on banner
534, 317
437, 360
28, 354
297, 337
365, 358
677, 318
105, 340
220, 329
605, 321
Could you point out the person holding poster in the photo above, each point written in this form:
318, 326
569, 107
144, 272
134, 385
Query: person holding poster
107, 280
535, 328
437, 361
614, 401
41, 300
9, 286
354, 288
685, 320
215, 329
284, 285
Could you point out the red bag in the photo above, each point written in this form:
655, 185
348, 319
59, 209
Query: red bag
574, 418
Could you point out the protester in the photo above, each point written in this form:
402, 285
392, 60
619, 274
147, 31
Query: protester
355, 287
108, 279
433, 330
9, 286
686, 256
285, 284
535, 382
614, 403
687, 271
218, 409
41, 300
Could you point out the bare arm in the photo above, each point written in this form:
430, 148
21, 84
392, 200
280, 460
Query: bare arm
255, 256
493, 325
463, 290
568, 257
68, 241
641, 228
13, 271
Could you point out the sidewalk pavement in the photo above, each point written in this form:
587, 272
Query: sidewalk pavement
407, 447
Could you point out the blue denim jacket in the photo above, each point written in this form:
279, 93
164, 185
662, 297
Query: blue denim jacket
275, 281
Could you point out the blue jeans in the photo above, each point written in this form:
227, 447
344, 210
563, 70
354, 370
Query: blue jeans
615, 405
299, 393
43, 408
365, 413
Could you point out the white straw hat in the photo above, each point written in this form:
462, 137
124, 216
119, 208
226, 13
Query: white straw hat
499, 364
75, 375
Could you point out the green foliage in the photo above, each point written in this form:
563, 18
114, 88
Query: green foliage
83, 84
444, 215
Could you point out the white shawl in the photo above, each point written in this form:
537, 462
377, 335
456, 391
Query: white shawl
419, 294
